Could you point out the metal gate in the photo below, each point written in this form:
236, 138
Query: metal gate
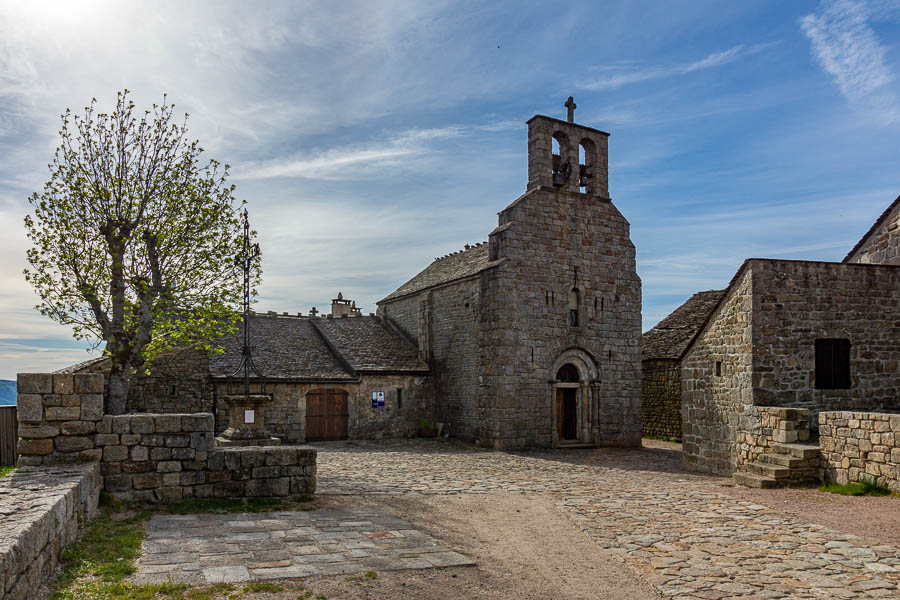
327, 415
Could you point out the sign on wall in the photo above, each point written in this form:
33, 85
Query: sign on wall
377, 399
249, 415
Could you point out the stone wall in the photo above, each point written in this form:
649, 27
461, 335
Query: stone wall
549, 242
881, 246
286, 415
860, 446
149, 457
44, 509
797, 302
761, 427
712, 405
661, 398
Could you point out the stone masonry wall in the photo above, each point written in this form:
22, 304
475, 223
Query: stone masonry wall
713, 405
42, 511
661, 398
763, 426
286, 415
542, 238
797, 302
149, 457
859, 446
883, 245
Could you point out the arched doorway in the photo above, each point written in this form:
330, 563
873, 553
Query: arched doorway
327, 415
567, 390
574, 397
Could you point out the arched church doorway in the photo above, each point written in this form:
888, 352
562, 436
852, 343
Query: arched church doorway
567, 402
327, 415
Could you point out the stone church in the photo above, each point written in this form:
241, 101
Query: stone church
531, 339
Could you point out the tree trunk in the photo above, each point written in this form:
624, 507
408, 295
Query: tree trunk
117, 398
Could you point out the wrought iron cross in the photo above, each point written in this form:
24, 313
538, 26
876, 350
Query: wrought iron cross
244, 260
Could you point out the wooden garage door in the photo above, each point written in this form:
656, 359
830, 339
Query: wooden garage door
326, 415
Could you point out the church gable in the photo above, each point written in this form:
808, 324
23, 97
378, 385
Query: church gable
881, 244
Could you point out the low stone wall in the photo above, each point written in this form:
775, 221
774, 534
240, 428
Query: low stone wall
859, 446
42, 510
661, 399
149, 457
763, 426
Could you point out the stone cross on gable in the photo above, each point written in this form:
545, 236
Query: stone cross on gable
313, 312
570, 104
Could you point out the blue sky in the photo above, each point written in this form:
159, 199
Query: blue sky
370, 137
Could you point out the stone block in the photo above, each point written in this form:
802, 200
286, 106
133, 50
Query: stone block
143, 466
218, 476
303, 485
183, 453
204, 441
253, 457
168, 466
121, 424
91, 454
193, 478
142, 424
77, 427
139, 453
280, 456
895, 423
104, 425
167, 423
35, 447
73, 443
115, 453
231, 459
30, 408
229, 489
63, 384
91, 407
178, 441
170, 494
265, 472
216, 460
145, 481
171, 479
160, 453
267, 487
106, 439
34, 383
44, 430
117, 483
197, 422
130, 439
193, 465
88, 383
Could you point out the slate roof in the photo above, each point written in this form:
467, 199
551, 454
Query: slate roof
458, 265
878, 222
369, 344
283, 348
672, 336
319, 348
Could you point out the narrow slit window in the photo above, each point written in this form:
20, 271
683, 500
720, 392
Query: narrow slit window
399, 398
718, 368
832, 364
574, 302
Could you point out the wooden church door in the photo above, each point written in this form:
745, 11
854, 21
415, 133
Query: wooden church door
327, 415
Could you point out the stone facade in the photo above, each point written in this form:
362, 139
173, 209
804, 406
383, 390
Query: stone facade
661, 399
881, 244
763, 339
860, 446
44, 510
148, 457
556, 285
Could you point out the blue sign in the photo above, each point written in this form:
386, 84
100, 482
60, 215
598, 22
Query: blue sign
377, 399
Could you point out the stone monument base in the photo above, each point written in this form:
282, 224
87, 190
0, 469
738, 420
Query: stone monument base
223, 442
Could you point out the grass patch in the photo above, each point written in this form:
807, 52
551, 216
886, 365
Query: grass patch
260, 587
662, 438
861, 488
6, 470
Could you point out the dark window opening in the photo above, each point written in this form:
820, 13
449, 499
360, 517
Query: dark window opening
574, 303
173, 391
718, 368
567, 374
832, 364
399, 398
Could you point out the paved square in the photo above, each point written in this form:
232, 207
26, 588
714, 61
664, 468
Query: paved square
244, 547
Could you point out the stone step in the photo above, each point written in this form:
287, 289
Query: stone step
784, 460
797, 450
767, 470
575, 445
753, 480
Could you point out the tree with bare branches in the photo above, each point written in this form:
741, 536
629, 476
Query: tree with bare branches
134, 238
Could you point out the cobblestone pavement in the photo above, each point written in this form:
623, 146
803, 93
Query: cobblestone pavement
638, 504
244, 547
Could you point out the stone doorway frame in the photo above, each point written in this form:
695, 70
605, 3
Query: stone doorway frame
585, 398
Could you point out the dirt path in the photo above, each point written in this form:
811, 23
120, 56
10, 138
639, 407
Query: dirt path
523, 548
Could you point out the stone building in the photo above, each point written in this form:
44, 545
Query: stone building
799, 334
533, 338
662, 349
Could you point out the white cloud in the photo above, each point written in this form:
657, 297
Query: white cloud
630, 75
848, 49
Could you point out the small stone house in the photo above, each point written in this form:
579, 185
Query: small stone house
533, 338
662, 349
320, 371
815, 335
